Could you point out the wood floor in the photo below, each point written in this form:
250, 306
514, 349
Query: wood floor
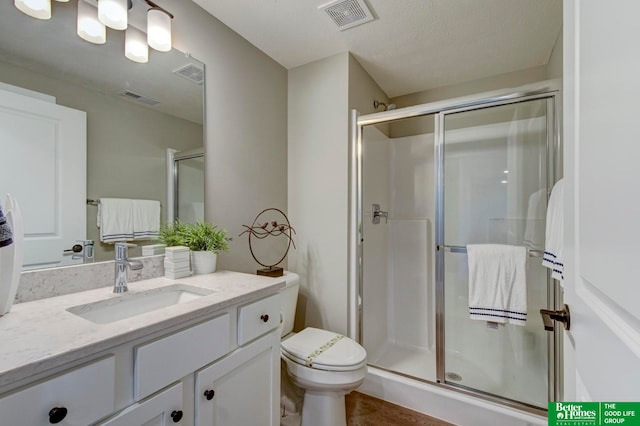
365, 410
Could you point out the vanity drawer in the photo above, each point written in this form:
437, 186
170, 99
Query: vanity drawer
159, 363
85, 394
258, 318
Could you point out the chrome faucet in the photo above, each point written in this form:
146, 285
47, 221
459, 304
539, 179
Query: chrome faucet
121, 262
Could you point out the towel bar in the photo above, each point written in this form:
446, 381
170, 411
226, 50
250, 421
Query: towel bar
462, 249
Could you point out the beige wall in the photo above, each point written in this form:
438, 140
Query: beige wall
321, 94
126, 143
246, 126
317, 175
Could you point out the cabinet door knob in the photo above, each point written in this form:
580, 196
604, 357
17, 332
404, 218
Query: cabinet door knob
209, 393
176, 416
57, 414
264, 317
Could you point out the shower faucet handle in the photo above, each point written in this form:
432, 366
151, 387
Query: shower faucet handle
376, 214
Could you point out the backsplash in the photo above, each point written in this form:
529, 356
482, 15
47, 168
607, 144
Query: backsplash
45, 283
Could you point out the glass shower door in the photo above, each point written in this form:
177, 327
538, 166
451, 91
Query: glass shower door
493, 190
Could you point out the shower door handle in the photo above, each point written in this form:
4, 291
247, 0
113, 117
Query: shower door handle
376, 214
564, 316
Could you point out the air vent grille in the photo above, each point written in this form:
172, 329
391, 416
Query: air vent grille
139, 98
192, 73
348, 13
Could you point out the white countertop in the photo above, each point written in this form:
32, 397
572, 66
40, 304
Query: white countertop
41, 335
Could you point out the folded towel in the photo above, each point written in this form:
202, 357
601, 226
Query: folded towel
497, 283
115, 218
146, 219
554, 242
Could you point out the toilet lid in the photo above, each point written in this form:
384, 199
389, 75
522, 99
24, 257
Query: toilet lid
324, 350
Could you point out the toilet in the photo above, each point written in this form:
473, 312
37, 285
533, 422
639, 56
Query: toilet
326, 365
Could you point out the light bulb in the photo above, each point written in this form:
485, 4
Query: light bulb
40, 9
135, 46
89, 26
113, 13
159, 29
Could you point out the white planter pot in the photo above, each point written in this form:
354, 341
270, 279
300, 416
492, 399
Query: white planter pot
203, 262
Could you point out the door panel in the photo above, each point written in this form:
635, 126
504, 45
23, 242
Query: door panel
46, 173
601, 206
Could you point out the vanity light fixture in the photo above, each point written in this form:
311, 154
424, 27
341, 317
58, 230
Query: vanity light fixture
92, 23
89, 26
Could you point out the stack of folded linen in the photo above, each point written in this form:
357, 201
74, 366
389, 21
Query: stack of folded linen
176, 262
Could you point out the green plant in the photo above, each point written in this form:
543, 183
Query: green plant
174, 234
201, 236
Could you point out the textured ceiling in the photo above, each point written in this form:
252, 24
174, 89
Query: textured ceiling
412, 45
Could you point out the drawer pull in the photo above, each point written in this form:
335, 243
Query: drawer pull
57, 414
209, 393
264, 318
176, 416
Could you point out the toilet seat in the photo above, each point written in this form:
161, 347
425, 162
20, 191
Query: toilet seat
324, 350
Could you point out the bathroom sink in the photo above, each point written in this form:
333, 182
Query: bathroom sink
132, 304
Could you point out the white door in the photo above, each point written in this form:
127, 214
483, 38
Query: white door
43, 165
602, 221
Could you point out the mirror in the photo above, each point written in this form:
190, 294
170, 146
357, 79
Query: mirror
134, 114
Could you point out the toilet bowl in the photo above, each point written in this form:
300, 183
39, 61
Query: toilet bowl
326, 365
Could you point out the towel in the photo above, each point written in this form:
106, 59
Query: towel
123, 219
498, 283
115, 219
554, 241
146, 219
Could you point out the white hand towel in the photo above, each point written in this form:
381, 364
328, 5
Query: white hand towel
498, 283
146, 219
554, 242
115, 217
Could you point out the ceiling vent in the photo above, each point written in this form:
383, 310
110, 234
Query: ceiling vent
139, 98
192, 73
348, 13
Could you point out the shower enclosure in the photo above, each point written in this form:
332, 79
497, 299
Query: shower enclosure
428, 180
185, 185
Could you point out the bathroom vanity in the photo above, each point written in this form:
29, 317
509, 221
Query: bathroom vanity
204, 351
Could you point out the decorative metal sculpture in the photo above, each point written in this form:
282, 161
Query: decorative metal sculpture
266, 229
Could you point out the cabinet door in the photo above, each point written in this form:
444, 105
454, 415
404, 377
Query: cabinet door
242, 389
163, 409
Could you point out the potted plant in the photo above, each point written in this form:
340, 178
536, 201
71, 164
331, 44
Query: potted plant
205, 240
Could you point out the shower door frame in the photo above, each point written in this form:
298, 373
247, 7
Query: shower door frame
543, 90
173, 156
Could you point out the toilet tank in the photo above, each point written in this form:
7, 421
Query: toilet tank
288, 301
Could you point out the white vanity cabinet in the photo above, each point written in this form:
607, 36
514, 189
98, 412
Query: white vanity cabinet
218, 366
